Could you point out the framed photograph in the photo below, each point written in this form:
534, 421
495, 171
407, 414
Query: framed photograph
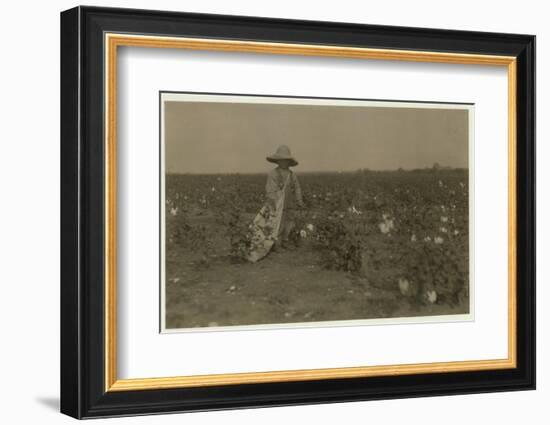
261, 212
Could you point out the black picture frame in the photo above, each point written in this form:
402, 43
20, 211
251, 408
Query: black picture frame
83, 392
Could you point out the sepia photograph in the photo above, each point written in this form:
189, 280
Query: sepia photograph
299, 211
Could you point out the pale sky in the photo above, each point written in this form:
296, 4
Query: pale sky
214, 137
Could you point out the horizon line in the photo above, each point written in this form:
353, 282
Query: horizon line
360, 170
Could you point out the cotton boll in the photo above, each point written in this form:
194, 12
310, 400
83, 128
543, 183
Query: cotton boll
431, 296
404, 286
384, 228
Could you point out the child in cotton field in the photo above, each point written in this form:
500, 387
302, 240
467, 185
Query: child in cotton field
282, 179
272, 225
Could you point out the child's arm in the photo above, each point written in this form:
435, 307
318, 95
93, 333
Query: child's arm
271, 190
297, 190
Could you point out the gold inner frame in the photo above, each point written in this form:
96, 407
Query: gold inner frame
113, 41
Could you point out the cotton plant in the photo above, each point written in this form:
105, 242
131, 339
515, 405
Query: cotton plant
386, 226
354, 210
411, 289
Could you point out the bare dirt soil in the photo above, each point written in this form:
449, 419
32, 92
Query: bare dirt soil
287, 286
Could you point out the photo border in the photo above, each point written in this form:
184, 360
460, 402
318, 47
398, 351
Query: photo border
425, 104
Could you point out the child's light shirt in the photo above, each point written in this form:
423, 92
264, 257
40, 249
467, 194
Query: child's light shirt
275, 181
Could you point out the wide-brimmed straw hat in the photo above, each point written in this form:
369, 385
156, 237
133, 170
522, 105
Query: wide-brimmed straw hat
283, 152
